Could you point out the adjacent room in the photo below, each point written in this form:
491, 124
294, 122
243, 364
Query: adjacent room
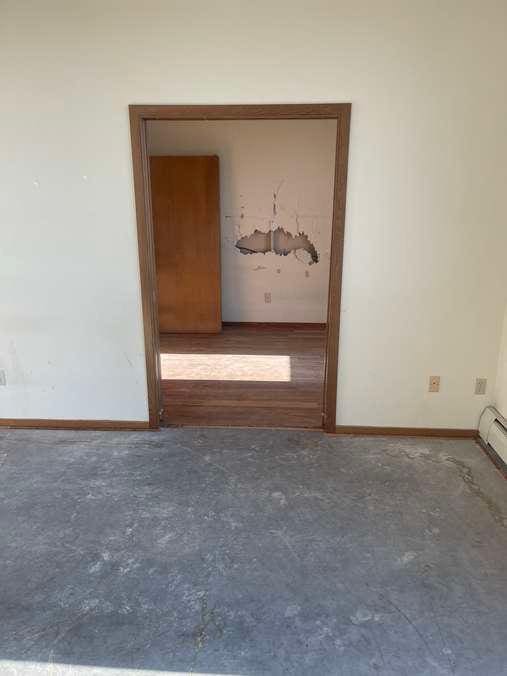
253, 338
242, 215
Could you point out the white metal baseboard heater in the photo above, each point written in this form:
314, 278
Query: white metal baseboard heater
493, 432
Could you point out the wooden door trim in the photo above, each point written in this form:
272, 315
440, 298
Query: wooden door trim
336, 270
139, 116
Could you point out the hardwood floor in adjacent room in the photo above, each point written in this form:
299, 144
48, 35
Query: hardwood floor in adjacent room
244, 376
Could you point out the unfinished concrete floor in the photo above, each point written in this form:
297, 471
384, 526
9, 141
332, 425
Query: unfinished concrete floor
233, 551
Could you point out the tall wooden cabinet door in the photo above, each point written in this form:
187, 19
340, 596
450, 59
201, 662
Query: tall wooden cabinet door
186, 219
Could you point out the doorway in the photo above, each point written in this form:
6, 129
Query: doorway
179, 367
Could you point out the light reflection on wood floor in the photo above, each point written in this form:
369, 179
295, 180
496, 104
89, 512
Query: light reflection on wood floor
244, 376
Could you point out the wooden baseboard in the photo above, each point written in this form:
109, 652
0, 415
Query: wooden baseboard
275, 325
24, 423
408, 431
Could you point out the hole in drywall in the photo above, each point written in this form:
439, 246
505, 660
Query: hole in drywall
280, 242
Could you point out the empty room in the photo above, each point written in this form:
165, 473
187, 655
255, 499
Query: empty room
253, 338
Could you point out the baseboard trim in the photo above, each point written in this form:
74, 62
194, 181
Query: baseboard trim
275, 325
408, 431
357, 430
43, 424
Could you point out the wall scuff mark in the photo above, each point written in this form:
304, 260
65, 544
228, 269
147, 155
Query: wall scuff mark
280, 242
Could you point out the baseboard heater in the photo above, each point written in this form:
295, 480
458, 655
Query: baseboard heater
493, 432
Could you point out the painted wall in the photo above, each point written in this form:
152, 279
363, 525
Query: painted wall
424, 274
266, 166
500, 399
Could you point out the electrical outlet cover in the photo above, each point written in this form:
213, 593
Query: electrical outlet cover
3, 379
481, 385
434, 385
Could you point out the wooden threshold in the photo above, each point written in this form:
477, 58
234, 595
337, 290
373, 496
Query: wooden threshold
408, 431
29, 423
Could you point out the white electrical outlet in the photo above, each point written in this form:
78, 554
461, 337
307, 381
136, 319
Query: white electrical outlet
3, 379
267, 297
434, 385
481, 385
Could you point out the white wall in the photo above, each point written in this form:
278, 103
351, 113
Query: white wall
424, 273
293, 159
500, 399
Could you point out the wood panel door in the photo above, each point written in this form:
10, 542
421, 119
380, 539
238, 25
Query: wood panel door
186, 220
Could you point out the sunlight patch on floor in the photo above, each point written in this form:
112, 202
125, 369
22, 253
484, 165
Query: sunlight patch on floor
244, 367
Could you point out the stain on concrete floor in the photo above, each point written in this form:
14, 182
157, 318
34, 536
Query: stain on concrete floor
229, 551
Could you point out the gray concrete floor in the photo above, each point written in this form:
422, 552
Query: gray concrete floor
250, 552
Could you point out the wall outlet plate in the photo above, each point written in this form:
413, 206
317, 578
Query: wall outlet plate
3, 378
481, 385
267, 297
434, 385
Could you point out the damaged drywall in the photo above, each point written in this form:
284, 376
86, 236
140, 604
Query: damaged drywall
280, 242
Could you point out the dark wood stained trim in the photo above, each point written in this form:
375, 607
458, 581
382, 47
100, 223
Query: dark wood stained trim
148, 275
407, 431
336, 269
276, 325
25, 423
298, 111
139, 115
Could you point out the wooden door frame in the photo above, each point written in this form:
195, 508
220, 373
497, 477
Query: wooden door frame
139, 117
